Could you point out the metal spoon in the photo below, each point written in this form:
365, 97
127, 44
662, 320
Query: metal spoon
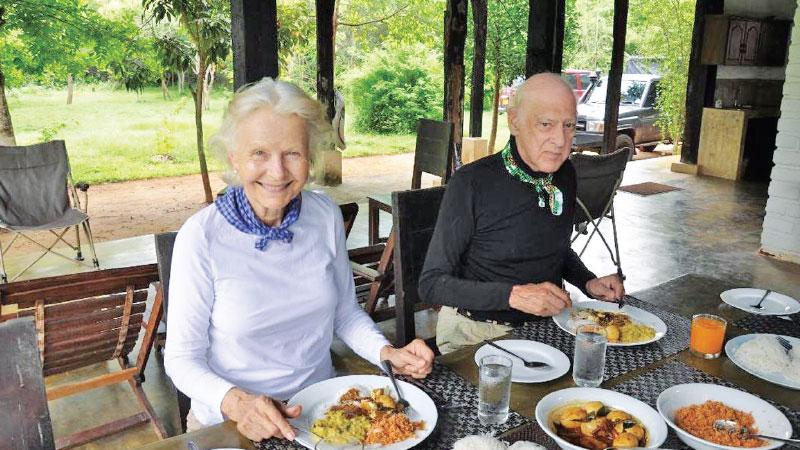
528, 364
758, 305
731, 426
401, 402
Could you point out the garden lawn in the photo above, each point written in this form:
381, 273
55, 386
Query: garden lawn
114, 135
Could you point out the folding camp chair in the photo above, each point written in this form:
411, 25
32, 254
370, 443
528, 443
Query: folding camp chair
35, 190
599, 176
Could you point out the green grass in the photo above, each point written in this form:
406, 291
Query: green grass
114, 135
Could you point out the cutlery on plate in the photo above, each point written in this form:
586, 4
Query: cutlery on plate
528, 364
784, 343
731, 426
758, 305
403, 403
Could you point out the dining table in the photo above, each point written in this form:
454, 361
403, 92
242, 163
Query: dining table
640, 371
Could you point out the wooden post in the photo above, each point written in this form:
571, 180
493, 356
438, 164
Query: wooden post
558, 37
329, 170
455, 34
701, 82
254, 35
479, 17
615, 76
541, 36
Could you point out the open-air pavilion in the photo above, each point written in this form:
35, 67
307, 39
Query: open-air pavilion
679, 249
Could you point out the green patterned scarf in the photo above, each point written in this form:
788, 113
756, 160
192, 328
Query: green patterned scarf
544, 186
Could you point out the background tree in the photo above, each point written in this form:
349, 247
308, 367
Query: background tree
667, 38
175, 54
207, 22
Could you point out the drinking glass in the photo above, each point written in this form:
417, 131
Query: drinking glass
494, 389
708, 334
590, 355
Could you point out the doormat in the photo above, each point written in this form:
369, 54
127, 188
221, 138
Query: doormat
648, 188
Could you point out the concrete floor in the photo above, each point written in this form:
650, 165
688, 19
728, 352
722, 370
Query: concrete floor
710, 227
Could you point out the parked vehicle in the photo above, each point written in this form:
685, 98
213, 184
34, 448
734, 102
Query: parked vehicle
578, 80
637, 114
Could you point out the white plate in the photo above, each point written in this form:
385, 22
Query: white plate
652, 421
317, 398
638, 315
532, 351
768, 419
733, 345
776, 304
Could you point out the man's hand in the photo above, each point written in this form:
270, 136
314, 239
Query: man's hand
607, 288
541, 299
259, 417
415, 359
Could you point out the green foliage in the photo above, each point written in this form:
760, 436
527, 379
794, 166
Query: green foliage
668, 37
133, 73
396, 90
48, 133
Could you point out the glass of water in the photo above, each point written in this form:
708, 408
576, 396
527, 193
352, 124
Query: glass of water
590, 355
494, 389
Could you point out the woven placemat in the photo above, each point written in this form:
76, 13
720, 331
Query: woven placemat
647, 386
771, 325
619, 360
446, 388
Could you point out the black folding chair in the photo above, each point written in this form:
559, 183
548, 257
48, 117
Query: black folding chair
599, 176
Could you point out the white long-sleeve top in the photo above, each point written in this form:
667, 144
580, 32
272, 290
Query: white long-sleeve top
261, 320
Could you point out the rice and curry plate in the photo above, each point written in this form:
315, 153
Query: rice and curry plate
619, 327
367, 419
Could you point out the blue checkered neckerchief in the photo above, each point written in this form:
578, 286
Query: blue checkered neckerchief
236, 209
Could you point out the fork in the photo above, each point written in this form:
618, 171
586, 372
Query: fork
784, 343
758, 305
528, 364
401, 402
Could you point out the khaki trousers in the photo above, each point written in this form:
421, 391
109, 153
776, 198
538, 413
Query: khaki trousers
454, 331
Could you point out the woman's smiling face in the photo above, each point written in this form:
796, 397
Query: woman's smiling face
271, 157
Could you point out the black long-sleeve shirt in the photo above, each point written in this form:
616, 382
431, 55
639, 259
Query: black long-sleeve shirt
491, 234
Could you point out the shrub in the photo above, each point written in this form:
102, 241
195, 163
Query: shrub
399, 87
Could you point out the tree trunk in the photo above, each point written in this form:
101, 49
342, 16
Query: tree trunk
164, 90
181, 76
6, 128
479, 14
198, 122
70, 88
615, 77
495, 107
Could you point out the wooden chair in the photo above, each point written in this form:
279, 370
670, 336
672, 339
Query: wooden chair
88, 318
415, 214
433, 154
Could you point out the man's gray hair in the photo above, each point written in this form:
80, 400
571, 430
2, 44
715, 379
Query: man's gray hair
283, 98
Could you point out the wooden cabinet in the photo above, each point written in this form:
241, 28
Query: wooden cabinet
743, 38
741, 41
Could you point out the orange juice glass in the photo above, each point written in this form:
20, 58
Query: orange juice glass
708, 334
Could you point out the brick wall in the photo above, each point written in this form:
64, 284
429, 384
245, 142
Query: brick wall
781, 231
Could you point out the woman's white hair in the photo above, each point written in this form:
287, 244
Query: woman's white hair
282, 97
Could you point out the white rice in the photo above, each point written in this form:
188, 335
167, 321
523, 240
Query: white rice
479, 443
764, 354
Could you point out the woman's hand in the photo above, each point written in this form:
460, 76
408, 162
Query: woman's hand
259, 417
415, 359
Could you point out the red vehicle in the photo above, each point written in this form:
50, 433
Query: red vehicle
578, 80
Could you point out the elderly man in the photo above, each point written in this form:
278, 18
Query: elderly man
501, 247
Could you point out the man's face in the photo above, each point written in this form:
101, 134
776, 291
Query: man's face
543, 126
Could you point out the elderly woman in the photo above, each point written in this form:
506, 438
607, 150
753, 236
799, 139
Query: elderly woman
261, 279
